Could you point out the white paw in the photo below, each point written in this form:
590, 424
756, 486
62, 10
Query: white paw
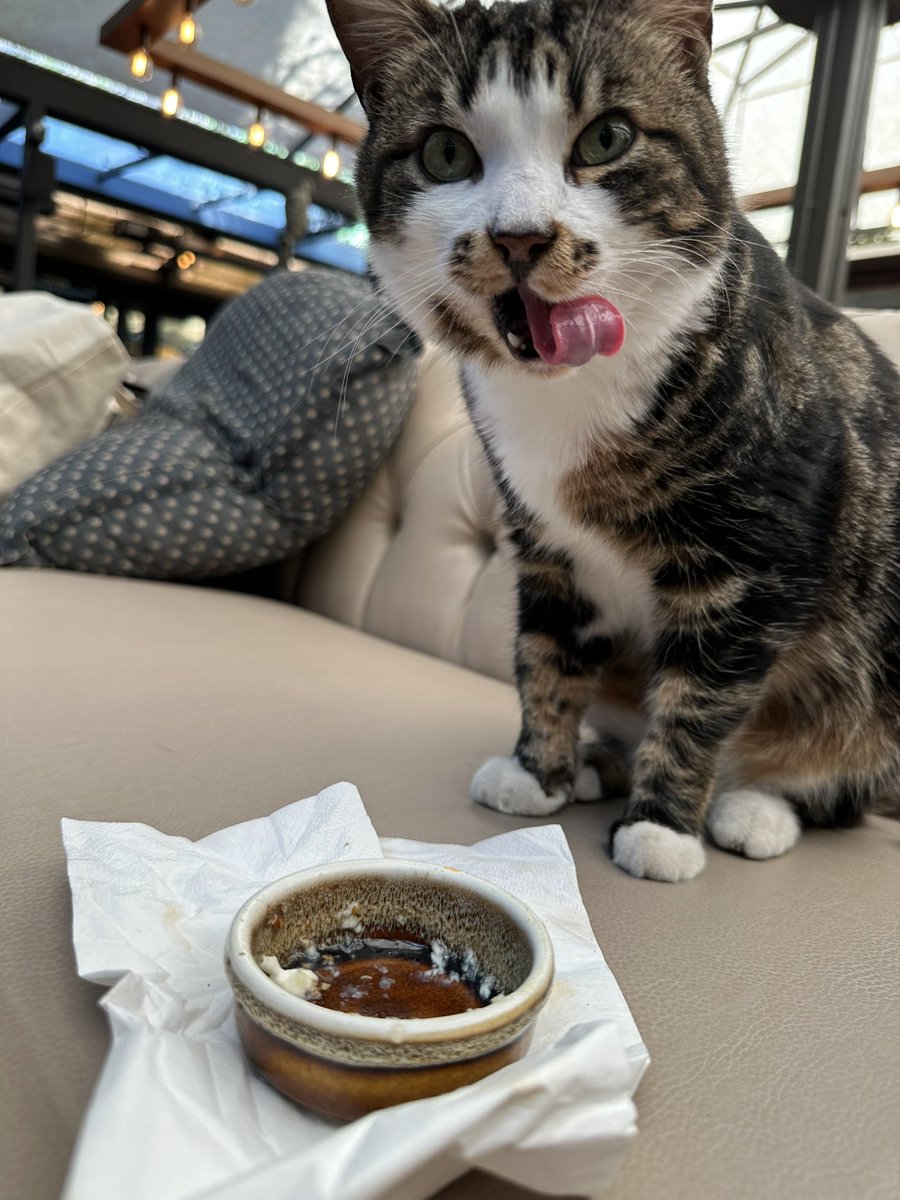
756, 824
653, 851
588, 787
504, 784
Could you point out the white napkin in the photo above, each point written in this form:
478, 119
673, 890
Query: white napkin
178, 1114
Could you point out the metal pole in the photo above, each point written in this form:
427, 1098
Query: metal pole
828, 185
24, 272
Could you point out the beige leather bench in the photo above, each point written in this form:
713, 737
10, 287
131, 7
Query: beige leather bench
768, 993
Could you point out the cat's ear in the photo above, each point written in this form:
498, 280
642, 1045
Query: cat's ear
691, 22
372, 32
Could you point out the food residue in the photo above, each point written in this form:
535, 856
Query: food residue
383, 976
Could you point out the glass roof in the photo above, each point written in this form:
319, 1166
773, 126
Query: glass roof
286, 42
121, 171
761, 75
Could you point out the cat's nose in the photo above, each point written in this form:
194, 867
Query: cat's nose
520, 249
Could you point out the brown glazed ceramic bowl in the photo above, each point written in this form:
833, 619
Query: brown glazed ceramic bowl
344, 1065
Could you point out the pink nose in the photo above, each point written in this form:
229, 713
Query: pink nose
522, 247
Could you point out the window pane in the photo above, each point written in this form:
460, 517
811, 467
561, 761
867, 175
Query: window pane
761, 74
876, 227
883, 135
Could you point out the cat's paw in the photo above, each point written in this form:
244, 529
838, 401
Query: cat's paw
504, 784
753, 823
588, 787
653, 851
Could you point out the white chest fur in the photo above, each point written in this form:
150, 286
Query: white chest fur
540, 431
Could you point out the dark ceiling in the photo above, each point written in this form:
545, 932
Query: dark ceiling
803, 12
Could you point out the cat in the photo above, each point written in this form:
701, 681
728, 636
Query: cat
699, 459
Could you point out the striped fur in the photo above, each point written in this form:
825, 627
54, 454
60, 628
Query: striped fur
712, 516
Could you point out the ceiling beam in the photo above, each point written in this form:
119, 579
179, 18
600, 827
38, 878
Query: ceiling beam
883, 180
126, 29
805, 12
149, 22
117, 117
241, 85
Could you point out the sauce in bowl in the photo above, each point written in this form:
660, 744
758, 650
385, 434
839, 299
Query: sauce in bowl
385, 976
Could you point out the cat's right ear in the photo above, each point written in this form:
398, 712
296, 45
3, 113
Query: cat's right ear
372, 33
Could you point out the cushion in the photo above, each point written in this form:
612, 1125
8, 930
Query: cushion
255, 448
59, 369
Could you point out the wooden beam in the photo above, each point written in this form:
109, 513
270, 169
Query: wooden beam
776, 198
126, 29
883, 180
222, 77
151, 21
147, 127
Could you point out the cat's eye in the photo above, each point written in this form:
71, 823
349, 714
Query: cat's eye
448, 156
604, 140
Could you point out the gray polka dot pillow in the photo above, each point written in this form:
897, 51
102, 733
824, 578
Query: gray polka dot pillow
255, 448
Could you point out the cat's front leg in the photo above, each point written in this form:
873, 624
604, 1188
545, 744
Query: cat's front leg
699, 696
556, 673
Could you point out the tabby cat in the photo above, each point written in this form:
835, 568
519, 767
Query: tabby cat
700, 460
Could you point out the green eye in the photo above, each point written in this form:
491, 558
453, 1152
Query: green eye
448, 156
602, 141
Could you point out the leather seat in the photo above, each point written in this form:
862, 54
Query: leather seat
766, 992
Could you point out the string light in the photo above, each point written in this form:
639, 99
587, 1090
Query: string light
189, 30
186, 259
256, 134
171, 101
331, 162
141, 62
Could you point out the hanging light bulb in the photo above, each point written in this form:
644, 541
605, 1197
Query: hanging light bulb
189, 30
256, 134
141, 62
171, 101
331, 162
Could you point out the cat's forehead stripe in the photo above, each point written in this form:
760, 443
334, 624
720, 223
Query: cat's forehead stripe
529, 49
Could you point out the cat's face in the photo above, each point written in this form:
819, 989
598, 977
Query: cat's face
540, 179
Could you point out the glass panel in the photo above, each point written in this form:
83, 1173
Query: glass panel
775, 224
761, 74
127, 174
877, 222
883, 135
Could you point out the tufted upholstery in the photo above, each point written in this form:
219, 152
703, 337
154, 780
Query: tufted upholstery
421, 559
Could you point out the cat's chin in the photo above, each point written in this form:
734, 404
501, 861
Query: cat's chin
537, 368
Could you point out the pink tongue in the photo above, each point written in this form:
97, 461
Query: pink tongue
571, 333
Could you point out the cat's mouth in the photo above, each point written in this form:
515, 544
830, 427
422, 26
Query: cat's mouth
511, 320
567, 334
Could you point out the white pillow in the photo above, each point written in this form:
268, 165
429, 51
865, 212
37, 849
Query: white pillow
59, 369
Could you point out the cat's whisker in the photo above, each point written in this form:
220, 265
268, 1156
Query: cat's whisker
322, 361
356, 350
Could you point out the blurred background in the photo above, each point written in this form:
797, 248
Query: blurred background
154, 191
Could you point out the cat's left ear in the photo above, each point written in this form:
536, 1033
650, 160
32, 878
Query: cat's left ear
373, 33
691, 21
